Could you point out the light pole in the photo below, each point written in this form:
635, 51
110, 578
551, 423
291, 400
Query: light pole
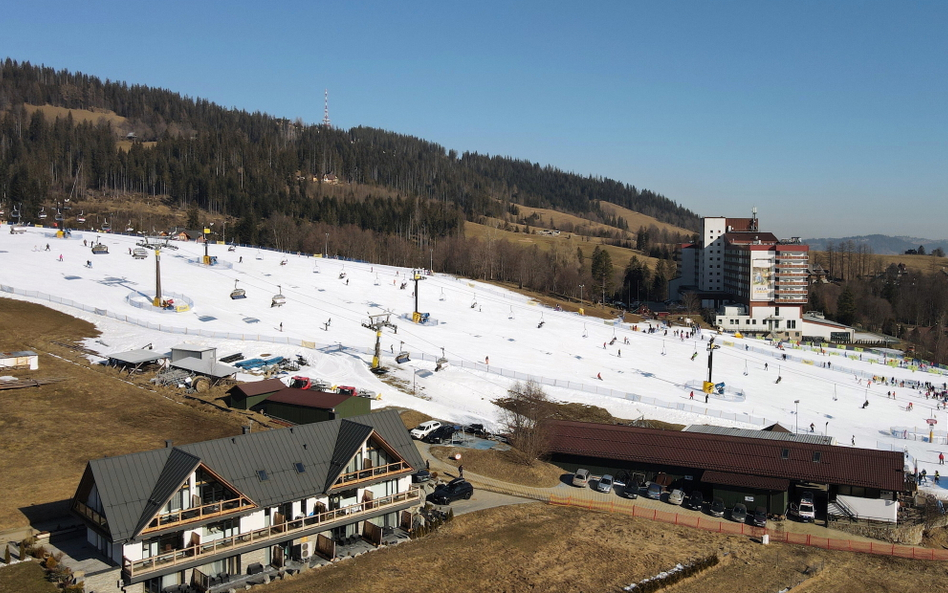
796, 421
431, 261
581, 293
326, 251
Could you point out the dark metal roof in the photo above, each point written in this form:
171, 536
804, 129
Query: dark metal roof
761, 457
350, 438
258, 387
308, 398
746, 481
128, 484
178, 467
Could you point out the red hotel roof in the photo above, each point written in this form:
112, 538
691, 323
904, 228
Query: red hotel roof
868, 468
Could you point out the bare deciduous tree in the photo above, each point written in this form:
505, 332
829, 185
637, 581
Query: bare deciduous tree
525, 415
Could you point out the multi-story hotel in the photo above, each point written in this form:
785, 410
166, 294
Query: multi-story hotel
755, 282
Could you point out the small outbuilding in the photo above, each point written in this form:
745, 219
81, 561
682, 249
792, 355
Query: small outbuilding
134, 360
305, 406
247, 395
23, 359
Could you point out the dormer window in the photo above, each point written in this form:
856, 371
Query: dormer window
785, 454
816, 456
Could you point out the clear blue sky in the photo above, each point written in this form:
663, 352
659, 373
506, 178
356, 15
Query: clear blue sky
830, 117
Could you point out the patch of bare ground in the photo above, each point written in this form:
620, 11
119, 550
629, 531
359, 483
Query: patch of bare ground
546, 548
501, 465
48, 433
412, 418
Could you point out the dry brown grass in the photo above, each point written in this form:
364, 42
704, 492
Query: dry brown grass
78, 115
412, 418
501, 465
48, 433
545, 548
637, 219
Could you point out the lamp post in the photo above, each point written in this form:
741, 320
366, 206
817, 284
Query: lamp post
796, 421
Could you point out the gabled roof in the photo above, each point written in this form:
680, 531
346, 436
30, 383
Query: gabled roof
131, 485
258, 387
350, 438
868, 468
309, 398
178, 467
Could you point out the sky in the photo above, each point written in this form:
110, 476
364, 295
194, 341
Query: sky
574, 356
830, 117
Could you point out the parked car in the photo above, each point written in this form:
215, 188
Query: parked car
655, 491
695, 501
456, 489
676, 497
805, 510
717, 508
739, 513
581, 478
620, 479
604, 484
759, 518
420, 476
440, 434
424, 429
631, 489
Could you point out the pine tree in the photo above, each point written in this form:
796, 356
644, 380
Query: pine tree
846, 306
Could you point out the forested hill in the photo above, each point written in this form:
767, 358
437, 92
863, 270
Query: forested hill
253, 165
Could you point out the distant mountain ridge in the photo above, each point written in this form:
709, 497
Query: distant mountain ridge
881, 244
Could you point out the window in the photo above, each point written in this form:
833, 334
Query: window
791, 324
300, 468
785, 454
816, 457
262, 475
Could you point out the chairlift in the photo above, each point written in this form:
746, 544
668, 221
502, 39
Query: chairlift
278, 299
441, 362
129, 228
232, 247
315, 268
474, 302
511, 316
1, 210
745, 368
100, 249
664, 352
259, 256
585, 331
376, 280
238, 293
81, 217
106, 227
539, 325
59, 215
42, 212
442, 297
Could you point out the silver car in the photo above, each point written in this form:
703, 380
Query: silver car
604, 484
581, 478
676, 497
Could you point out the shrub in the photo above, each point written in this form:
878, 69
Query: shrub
6, 554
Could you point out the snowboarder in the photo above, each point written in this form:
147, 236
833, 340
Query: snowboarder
47, 247
765, 366
695, 355
281, 326
88, 263
241, 260
599, 376
620, 353
705, 398
60, 257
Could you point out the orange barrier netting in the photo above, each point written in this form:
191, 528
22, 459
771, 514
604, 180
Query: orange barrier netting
787, 537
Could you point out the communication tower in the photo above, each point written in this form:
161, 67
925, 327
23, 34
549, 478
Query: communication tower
326, 111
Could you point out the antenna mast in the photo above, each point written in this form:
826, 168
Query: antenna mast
326, 111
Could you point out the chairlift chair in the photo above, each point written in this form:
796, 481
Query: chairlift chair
278, 299
59, 215
442, 297
129, 228
238, 293
106, 227
81, 217
1, 210
376, 280
42, 212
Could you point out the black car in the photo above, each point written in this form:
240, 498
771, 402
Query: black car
440, 434
759, 518
695, 501
456, 489
739, 513
717, 508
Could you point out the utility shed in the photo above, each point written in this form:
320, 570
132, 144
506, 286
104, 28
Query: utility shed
209, 368
132, 360
246, 395
24, 359
305, 406
193, 351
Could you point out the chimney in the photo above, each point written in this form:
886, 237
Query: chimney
169, 443
246, 429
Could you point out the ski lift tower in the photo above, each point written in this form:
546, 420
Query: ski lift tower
157, 301
207, 257
416, 316
376, 323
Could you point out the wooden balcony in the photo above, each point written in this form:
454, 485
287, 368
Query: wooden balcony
209, 511
235, 544
86, 512
371, 473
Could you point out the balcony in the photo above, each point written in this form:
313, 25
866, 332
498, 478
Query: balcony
136, 571
86, 512
201, 513
371, 473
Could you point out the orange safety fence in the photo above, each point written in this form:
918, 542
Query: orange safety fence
788, 537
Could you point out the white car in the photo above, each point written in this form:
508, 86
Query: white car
424, 429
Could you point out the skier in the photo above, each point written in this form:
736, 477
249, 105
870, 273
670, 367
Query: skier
691, 395
599, 376
811, 427
487, 360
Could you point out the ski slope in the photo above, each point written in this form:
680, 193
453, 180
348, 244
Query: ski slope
471, 321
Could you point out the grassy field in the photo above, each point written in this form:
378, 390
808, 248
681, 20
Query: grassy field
48, 433
78, 115
539, 547
25, 577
